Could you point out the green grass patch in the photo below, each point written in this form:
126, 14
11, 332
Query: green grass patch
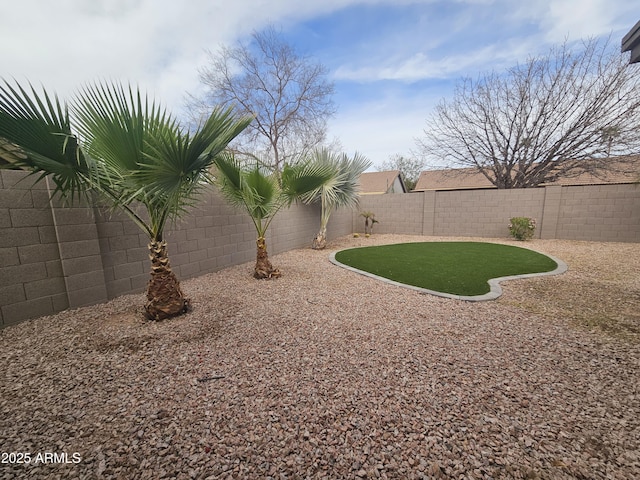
458, 268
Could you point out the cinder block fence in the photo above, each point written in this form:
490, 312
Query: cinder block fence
54, 257
609, 213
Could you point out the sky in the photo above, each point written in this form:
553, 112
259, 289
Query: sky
391, 61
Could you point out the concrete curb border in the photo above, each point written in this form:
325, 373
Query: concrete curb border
494, 283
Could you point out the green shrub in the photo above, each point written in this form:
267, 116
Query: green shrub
522, 228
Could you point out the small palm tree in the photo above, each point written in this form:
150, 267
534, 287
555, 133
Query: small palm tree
369, 220
340, 191
126, 148
262, 194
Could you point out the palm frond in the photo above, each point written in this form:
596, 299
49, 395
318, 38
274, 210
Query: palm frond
254, 189
341, 190
344, 193
145, 155
229, 178
40, 126
10, 154
305, 180
262, 190
116, 124
176, 158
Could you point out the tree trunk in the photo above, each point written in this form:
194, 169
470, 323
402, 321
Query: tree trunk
264, 269
164, 296
320, 241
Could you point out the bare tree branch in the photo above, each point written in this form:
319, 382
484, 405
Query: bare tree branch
288, 95
559, 115
410, 168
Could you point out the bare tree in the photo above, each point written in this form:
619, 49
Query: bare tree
288, 94
556, 116
410, 168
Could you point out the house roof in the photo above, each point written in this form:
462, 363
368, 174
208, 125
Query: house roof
625, 170
631, 42
452, 179
379, 182
9, 152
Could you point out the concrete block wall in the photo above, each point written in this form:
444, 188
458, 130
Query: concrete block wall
484, 213
548, 226
211, 237
292, 228
394, 212
55, 256
79, 246
595, 212
123, 251
341, 223
31, 280
609, 213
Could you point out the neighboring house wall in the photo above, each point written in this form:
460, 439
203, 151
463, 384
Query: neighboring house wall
54, 257
596, 212
396, 186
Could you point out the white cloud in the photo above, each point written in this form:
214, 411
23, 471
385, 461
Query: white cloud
534, 26
156, 43
419, 66
581, 19
381, 128
561, 20
160, 44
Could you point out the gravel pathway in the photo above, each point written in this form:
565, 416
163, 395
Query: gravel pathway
324, 373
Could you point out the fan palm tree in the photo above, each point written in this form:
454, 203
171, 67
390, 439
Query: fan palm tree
128, 149
340, 191
369, 221
262, 194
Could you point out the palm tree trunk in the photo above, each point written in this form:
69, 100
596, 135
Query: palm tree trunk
320, 241
264, 269
164, 296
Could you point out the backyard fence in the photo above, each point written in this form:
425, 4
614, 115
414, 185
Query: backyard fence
608, 213
54, 257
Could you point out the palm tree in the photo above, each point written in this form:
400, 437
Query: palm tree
340, 191
262, 194
369, 220
128, 149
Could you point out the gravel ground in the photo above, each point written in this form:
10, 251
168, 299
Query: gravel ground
324, 373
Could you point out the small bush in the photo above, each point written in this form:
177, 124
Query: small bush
522, 228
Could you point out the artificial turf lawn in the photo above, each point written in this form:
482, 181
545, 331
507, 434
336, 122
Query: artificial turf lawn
458, 268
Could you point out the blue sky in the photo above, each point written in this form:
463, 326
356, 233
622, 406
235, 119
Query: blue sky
391, 60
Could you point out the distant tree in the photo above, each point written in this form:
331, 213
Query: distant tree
556, 116
410, 168
288, 94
